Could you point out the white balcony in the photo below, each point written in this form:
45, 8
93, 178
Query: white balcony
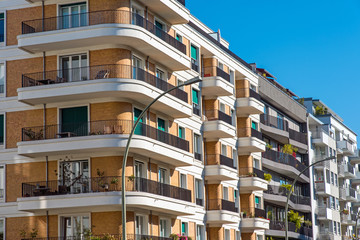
345, 147
251, 142
218, 129
348, 219
248, 102
216, 83
251, 224
321, 138
220, 211
355, 159
249, 184
220, 173
323, 188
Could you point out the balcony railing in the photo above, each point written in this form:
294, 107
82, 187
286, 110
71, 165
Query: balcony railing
98, 73
280, 226
250, 172
351, 192
348, 168
319, 133
274, 122
103, 184
284, 158
298, 136
221, 204
249, 132
103, 127
247, 92
212, 115
253, 213
194, 65
199, 201
182, 2
216, 71
198, 156
104, 236
196, 109
97, 18
282, 191
218, 159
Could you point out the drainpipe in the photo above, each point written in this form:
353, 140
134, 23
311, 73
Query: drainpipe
44, 121
47, 171
151, 225
146, 16
44, 65
150, 168
47, 225
43, 16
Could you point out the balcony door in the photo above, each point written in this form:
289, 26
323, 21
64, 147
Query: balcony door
74, 122
138, 72
74, 227
140, 226
140, 174
74, 176
160, 29
74, 68
73, 15
140, 127
164, 228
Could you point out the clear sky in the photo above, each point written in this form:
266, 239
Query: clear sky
311, 46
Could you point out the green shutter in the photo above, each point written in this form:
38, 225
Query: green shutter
194, 52
254, 125
161, 124
1, 15
195, 96
75, 120
139, 127
181, 132
183, 229
257, 200
1, 129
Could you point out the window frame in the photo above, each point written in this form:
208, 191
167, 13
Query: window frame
186, 224
199, 144
166, 124
3, 43
181, 181
72, 215
4, 64
4, 226
182, 131
2, 146
4, 181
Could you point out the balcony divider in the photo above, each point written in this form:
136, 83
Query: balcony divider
215, 114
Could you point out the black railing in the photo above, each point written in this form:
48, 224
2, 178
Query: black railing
96, 18
246, 93
255, 94
197, 156
103, 127
98, 73
249, 132
298, 136
194, 65
350, 168
199, 201
182, 2
250, 172
284, 158
221, 204
103, 184
253, 213
274, 122
352, 192
218, 159
283, 191
196, 109
280, 226
218, 115
104, 236
256, 133
216, 71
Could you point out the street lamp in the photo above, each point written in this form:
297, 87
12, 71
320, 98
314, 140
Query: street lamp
123, 203
356, 231
291, 189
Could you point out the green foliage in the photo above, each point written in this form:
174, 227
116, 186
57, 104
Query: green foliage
289, 149
131, 178
320, 110
114, 181
295, 218
267, 177
269, 215
32, 234
269, 146
22, 233
301, 101
288, 187
308, 223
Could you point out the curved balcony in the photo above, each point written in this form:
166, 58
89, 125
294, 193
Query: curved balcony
117, 81
249, 141
222, 211
274, 127
104, 191
104, 27
252, 179
216, 82
220, 168
277, 229
284, 163
253, 219
218, 125
248, 102
104, 136
348, 219
278, 195
105, 236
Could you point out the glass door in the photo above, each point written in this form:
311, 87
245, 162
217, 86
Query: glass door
138, 72
74, 68
137, 18
140, 226
160, 28
163, 228
140, 128
73, 15
74, 176
74, 227
139, 176
280, 120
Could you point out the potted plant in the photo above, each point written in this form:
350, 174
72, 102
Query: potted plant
295, 218
288, 187
308, 223
345, 211
267, 177
115, 181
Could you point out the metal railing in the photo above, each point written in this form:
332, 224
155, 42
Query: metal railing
249, 132
351, 192
250, 172
212, 115
247, 92
284, 158
215, 71
199, 201
196, 109
253, 213
348, 168
221, 204
103, 236
98, 73
318, 133
218, 159
283, 191
298, 136
274, 122
102, 127
96, 18
194, 65
197, 156
103, 184
280, 226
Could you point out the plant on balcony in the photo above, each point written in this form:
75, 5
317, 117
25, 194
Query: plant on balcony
174, 236
32, 234
115, 181
289, 149
308, 223
269, 146
320, 110
294, 217
287, 186
301, 101
267, 177
131, 178
269, 215
34, 135
345, 211
251, 174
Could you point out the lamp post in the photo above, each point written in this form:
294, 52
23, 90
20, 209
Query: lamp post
291, 189
123, 202
356, 231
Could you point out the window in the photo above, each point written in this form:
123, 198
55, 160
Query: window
197, 144
199, 232
73, 226
161, 125
139, 128
327, 176
256, 163
140, 171
334, 229
223, 150
73, 15
336, 180
179, 38
179, 82
137, 68
2, 27
253, 87
254, 125
221, 66
225, 193
280, 121
332, 202
162, 175
2, 78
160, 28
184, 228
164, 232
338, 228
257, 202
235, 157
74, 68
181, 133
227, 234
75, 174
2, 129
74, 121
332, 178
259, 237
337, 204
2, 183
140, 225
183, 181
196, 102
198, 189
137, 18
236, 198
194, 53
160, 74
222, 107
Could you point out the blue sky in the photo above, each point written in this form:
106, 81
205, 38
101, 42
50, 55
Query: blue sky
311, 46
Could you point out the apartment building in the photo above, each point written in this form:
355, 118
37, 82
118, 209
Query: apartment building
75, 75
335, 201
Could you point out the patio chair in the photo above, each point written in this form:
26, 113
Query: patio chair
103, 74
